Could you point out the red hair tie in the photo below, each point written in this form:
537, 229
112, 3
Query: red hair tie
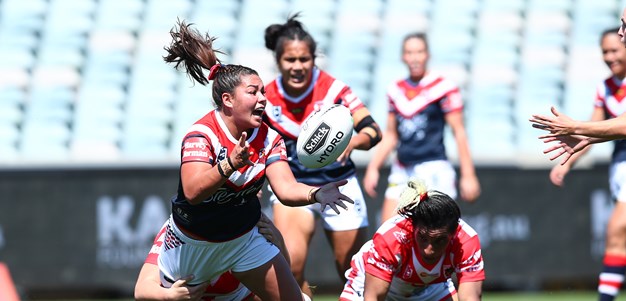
423, 196
213, 71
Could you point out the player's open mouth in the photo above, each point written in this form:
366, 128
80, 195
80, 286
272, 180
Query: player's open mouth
258, 111
298, 78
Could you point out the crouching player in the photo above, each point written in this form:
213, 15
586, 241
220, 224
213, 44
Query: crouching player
413, 255
225, 287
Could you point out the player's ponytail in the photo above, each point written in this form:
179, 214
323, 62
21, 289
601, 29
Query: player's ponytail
195, 52
429, 209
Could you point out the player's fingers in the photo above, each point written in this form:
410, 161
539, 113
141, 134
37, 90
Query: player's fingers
182, 281
334, 207
346, 198
341, 204
554, 111
341, 183
242, 139
558, 154
551, 148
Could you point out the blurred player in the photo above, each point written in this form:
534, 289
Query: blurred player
419, 108
573, 136
224, 287
300, 89
608, 104
225, 158
413, 255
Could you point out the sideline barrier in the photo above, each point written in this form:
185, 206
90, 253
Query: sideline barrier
91, 229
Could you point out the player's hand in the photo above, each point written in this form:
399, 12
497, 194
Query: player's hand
565, 147
558, 125
268, 230
181, 291
329, 195
240, 156
558, 173
469, 188
345, 156
370, 181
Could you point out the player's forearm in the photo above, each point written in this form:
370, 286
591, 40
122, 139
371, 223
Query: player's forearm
610, 129
466, 165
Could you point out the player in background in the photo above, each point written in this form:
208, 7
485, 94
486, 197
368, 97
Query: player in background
419, 108
573, 136
224, 287
225, 157
609, 104
300, 89
413, 255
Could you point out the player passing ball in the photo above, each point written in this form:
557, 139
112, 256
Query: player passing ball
225, 158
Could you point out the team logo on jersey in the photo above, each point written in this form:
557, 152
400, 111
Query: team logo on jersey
408, 272
222, 154
401, 237
277, 112
619, 94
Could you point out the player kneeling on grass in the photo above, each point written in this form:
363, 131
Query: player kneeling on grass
413, 255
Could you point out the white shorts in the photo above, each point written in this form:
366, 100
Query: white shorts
182, 255
438, 175
617, 181
353, 218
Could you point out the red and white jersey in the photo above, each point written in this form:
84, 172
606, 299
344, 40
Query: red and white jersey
420, 110
234, 208
220, 288
285, 114
610, 96
393, 256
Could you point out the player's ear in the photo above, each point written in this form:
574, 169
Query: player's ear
227, 100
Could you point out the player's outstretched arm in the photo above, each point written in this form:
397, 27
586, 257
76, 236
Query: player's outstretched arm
293, 193
561, 124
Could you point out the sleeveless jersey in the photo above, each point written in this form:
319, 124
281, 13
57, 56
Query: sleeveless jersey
610, 96
224, 284
234, 208
393, 256
285, 114
420, 109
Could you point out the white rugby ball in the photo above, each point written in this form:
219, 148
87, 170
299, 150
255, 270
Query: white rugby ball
324, 136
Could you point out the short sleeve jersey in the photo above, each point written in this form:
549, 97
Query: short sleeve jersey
234, 208
395, 258
420, 109
610, 96
285, 114
221, 285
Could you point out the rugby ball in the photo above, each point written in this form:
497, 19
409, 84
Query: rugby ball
324, 136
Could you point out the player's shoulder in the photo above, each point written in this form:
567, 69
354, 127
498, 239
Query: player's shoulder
325, 80
465, 231
395, 231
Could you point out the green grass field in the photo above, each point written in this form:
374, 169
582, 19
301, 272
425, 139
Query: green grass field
488, 296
